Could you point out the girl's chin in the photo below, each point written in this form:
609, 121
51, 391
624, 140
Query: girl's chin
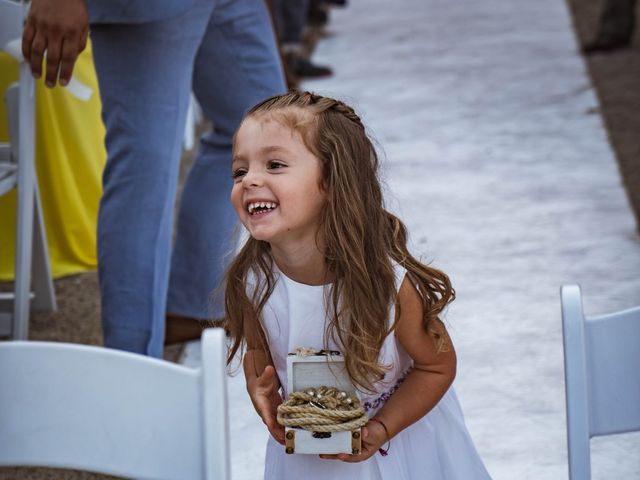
261, 235
261, 238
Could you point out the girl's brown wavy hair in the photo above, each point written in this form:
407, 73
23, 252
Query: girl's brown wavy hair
361, 239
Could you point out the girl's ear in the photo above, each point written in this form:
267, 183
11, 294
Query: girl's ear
324, 188
323, 185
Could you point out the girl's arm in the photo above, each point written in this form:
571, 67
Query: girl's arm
432, 374
263, 386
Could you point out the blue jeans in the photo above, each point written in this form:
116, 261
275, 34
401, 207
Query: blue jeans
224, 51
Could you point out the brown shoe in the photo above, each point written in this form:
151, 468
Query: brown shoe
181, 329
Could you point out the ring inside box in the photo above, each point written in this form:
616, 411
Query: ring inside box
306, 372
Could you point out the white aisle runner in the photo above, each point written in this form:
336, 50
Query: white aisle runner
496, 158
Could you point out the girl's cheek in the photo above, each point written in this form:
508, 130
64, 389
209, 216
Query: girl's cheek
236, 207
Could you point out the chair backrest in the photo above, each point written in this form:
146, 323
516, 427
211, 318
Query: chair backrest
602, 383
107, 411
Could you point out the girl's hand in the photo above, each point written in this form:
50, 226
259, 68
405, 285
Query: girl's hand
263, 391
374, 436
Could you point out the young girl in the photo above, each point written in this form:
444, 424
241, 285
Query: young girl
327, 267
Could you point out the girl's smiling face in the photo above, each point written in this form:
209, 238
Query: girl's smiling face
277, 190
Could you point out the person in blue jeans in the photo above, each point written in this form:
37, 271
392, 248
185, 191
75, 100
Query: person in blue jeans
149, 56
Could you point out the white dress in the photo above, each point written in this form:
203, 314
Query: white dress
437, 446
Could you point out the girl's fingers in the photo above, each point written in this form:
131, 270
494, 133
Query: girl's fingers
268, 375
276, 430
278, 433
267, 404
267, 381
367, 451
267, 417
343, 457
267, 412
264, 380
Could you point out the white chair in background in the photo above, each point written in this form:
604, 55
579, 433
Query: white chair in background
17, 170
602, 379
114, 412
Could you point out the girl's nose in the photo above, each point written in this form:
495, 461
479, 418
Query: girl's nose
252, 179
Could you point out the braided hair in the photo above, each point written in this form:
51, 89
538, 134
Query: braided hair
360, 236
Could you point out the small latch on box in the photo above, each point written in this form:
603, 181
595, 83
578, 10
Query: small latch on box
290, 441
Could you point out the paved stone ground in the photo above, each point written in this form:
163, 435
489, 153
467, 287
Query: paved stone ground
616, 77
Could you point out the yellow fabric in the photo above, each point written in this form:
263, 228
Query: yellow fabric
70, 157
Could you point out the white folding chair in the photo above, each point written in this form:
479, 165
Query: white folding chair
17, 171
114, 412
602, 384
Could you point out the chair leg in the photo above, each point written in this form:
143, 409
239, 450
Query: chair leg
26, 181
45, 297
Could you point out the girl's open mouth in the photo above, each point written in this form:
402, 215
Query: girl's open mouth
257, 208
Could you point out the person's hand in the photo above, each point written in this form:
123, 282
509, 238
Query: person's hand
59, 27
374, 436
263, 391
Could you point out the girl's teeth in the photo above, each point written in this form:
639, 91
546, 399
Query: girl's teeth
253, 206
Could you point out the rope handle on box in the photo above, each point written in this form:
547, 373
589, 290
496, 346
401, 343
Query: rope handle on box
322, 409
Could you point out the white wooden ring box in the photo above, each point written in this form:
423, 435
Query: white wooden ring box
313, 371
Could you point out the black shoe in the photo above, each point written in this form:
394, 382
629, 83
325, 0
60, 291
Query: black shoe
303, 68
606, 44
317, 17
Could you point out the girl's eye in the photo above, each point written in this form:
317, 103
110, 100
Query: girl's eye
239, 173
275, 164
